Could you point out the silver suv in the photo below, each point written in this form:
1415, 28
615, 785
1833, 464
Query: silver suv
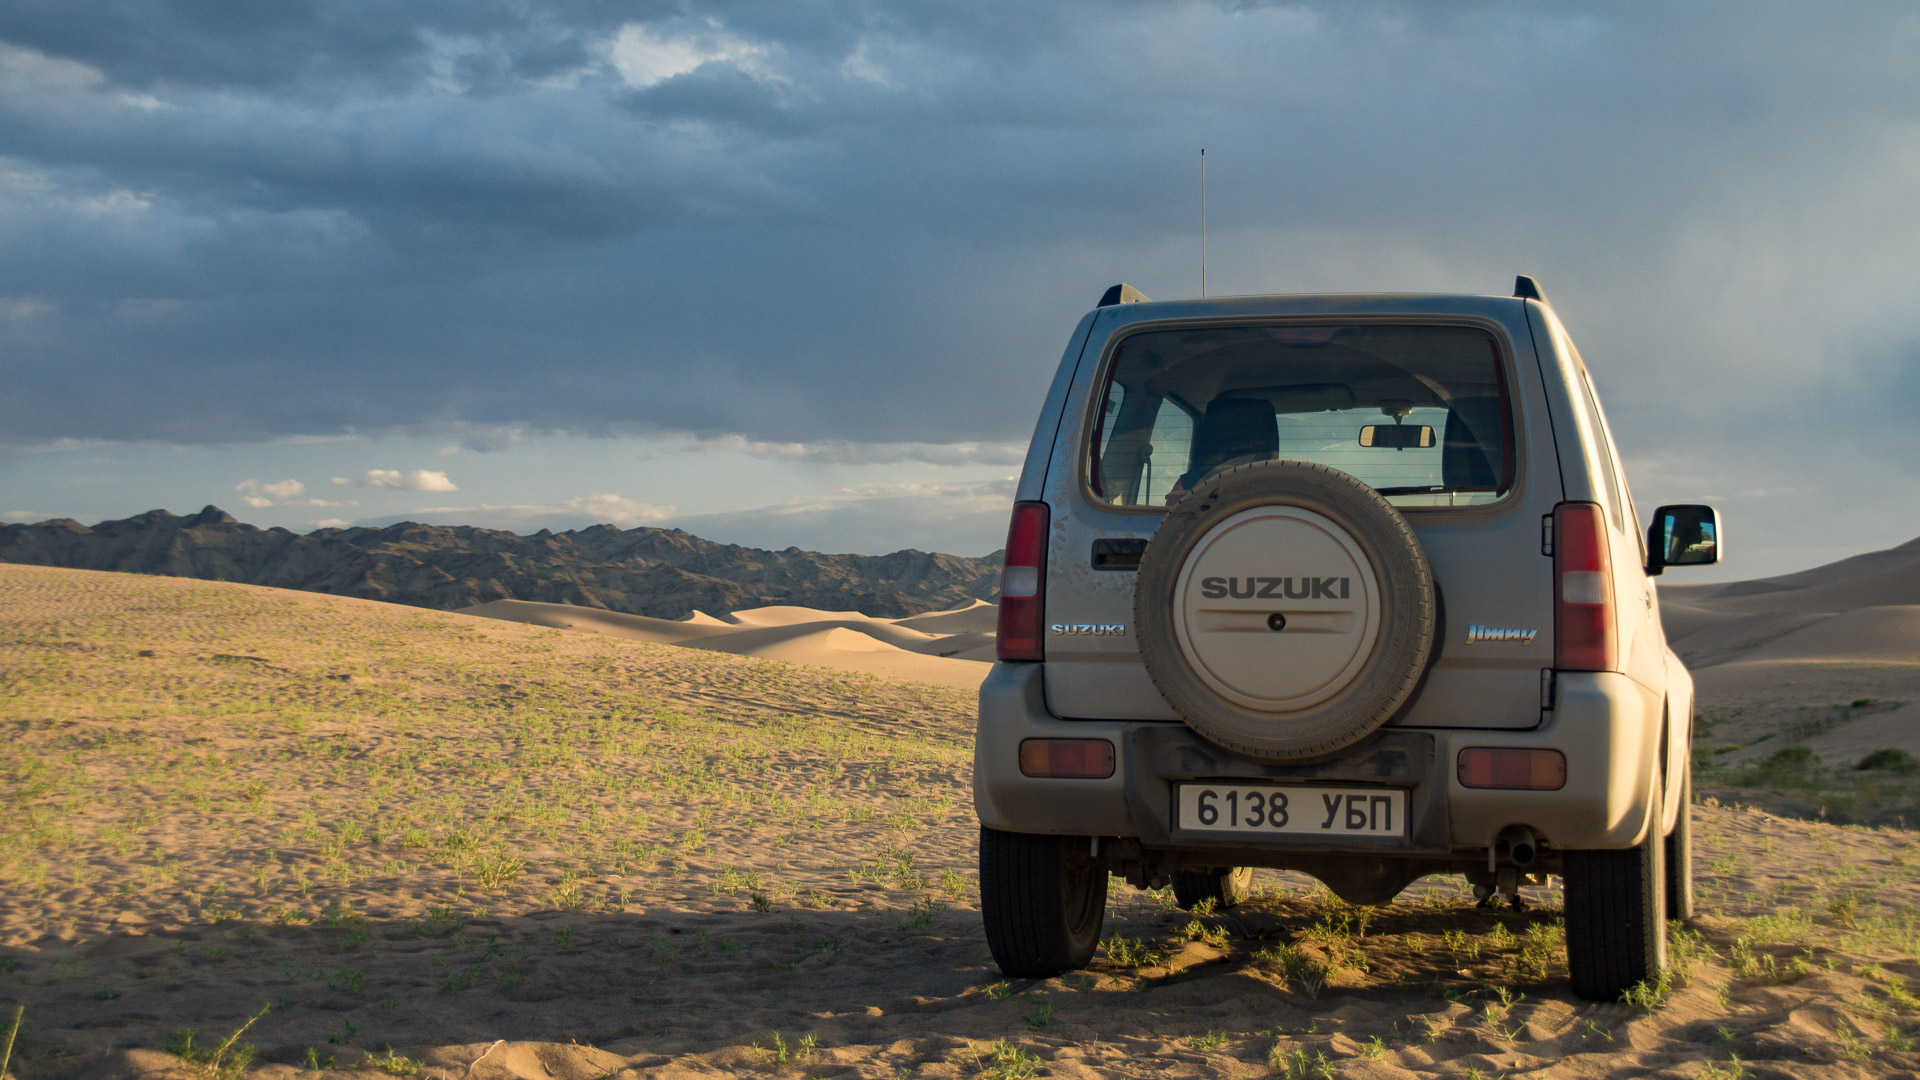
1344, 584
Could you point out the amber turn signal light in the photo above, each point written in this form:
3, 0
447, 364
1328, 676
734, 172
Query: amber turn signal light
1078, 759
1522, 770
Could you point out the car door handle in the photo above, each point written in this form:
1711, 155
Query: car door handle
1111, 553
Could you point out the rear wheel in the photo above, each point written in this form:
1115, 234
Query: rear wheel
1617, 914
1680, 857
1042, 900
1225, 886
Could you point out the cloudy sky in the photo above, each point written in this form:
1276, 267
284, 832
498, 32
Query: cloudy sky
789, 272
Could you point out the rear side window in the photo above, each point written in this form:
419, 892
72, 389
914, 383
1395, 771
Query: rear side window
1419, 412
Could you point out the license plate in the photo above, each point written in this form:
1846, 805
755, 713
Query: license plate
1291, 811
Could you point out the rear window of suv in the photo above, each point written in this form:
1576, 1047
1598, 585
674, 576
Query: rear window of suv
1420, 412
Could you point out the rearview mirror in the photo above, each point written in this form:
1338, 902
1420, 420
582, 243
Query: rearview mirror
1683, 535
1396, 436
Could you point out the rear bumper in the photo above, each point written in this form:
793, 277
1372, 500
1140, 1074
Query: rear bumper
1606, 724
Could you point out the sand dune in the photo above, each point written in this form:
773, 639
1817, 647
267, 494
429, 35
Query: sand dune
1818, 615
1883, 635
1853, 568
599, 621
1773, 653
947, 648
1870, 580
792, 616
973, 645
978, 617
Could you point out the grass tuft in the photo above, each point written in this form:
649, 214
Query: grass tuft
1005, 1061
394, 1065
1298, 1063
1891, 759
779, 1052
13, 1032
228, 1060
1127, 952
497, 871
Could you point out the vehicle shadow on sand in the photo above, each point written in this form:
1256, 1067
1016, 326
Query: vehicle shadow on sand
868, 992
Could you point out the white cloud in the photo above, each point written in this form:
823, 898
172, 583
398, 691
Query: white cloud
144, 102
118, 203
577, 512
615, 509
846, 452
428, 480
417, 480
644, 56
24, 72
22, 515
262, 495
331, 523
606, 508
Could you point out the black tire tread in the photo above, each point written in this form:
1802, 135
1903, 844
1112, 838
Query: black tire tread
1616, 915
1680, 858
1602, 888
1022, 908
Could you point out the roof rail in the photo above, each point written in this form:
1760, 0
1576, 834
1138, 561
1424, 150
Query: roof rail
1526, 288
1122, 293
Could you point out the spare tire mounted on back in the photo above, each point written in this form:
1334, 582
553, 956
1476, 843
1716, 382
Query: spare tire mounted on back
1285, 610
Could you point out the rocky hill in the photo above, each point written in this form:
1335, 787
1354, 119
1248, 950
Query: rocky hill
662, 573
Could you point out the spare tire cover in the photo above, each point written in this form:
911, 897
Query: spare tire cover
1284, 609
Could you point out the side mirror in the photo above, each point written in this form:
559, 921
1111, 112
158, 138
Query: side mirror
1683, 535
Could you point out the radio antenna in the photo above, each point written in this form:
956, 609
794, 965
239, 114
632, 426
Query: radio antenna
1203, 221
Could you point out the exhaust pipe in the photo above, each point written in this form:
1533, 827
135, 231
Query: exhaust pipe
1521, 844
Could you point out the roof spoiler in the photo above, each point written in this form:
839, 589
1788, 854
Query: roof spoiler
1526, 288
1122, 293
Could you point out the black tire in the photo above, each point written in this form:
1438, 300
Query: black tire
1617, 914
1680, 856
1381, 683
1225, 886
1042, 900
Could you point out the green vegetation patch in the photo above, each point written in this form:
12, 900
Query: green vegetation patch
183, 749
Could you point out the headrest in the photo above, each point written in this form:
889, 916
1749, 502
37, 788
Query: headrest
1234, 428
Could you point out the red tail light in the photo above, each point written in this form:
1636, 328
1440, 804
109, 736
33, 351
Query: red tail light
1523, 770
1077, 759
1023, 583
1583, 632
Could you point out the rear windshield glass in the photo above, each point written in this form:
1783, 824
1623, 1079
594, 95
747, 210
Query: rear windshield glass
1418, 412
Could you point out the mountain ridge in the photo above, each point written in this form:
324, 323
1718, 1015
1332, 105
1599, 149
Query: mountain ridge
658, 573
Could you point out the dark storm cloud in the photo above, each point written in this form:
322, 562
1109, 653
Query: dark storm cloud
876, 222
287, 45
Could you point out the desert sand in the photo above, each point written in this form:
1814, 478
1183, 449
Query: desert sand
428, 844
946, 648
1828, 658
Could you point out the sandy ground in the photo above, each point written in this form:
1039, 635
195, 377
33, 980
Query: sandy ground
427, 844
1828, 658
946, 648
